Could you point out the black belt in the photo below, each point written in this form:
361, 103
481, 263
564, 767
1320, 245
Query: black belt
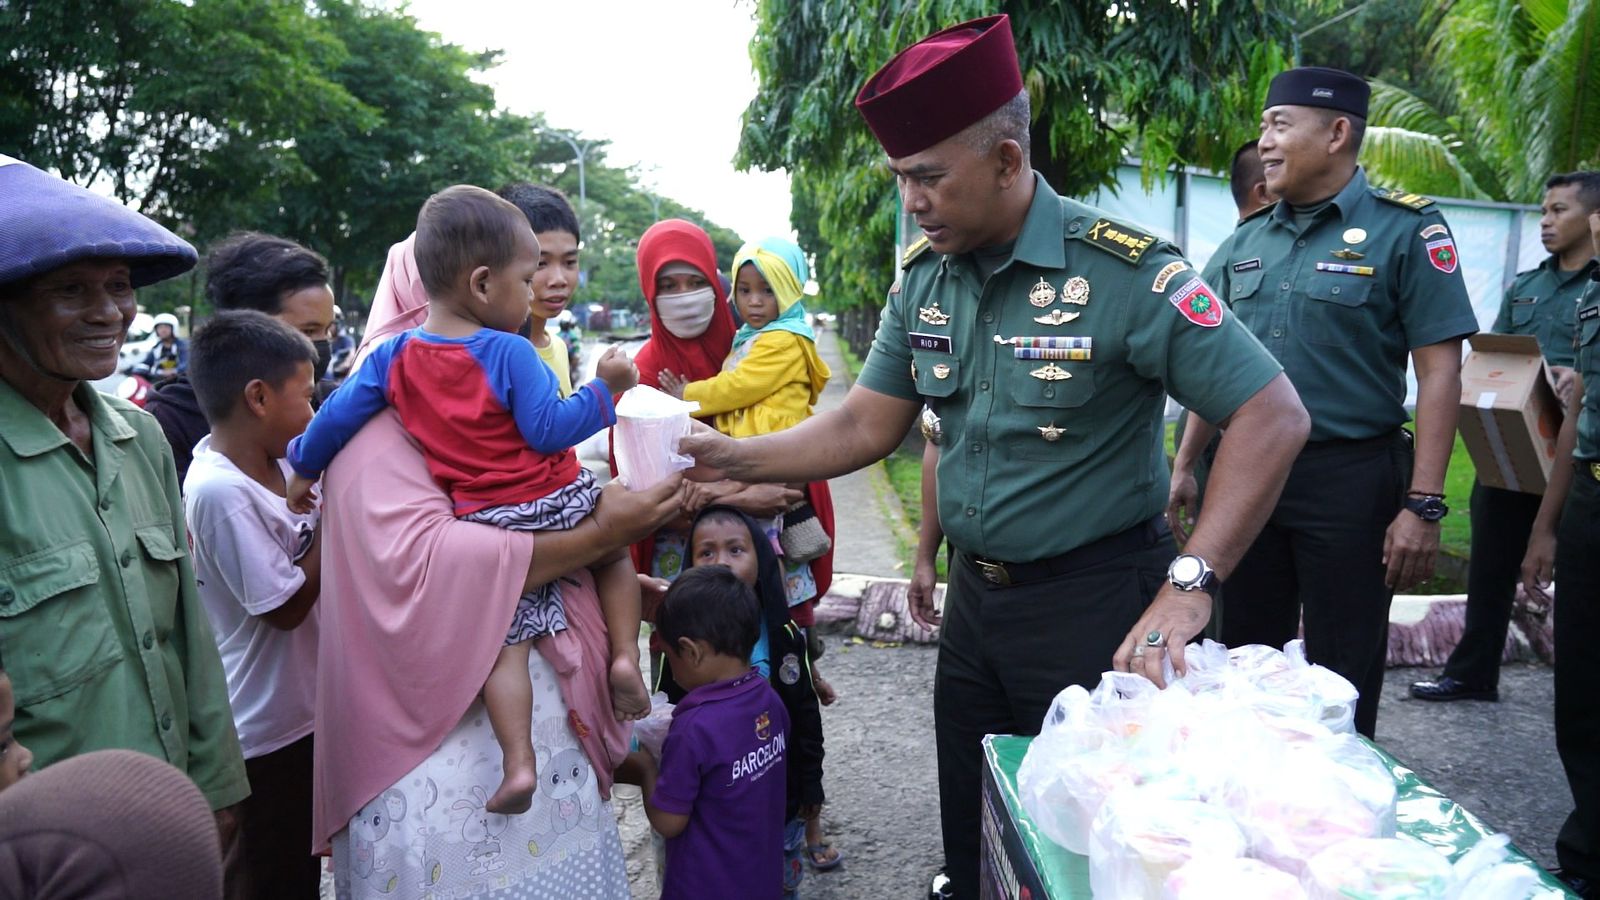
1089, 555
1336, 445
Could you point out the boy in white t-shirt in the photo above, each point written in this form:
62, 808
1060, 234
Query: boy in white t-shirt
258, 568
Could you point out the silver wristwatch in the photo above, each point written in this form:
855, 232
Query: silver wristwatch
1191, 573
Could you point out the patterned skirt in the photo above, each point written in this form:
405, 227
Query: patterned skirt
539, 611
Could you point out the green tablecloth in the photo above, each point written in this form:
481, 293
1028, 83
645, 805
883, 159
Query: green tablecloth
1051, 871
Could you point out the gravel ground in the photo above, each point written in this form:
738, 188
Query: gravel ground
1498, 760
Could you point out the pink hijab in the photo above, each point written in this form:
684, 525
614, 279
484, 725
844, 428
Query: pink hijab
414, 608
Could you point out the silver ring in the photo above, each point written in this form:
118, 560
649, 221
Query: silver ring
1155, 639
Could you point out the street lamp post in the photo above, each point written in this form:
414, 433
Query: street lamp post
580, 152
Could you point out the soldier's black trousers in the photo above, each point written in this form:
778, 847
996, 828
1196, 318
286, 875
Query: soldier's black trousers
1501, 522
1577, 634
1004, 654
1322, 550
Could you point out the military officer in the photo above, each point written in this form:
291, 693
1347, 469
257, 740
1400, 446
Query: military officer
1566, 542
1341, 280
1248, 184
1045, 334
1543, 302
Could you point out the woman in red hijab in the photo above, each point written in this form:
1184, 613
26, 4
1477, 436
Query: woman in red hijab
691, 333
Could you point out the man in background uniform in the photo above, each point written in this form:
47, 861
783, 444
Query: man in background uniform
1247, 182
1340, 280
1566, 542
1046, 335
1543, 302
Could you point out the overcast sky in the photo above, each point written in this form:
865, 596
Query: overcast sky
665, 82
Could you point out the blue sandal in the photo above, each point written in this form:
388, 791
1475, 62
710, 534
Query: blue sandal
813, 850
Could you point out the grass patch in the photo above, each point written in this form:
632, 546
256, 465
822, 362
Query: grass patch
905, 477
852, 363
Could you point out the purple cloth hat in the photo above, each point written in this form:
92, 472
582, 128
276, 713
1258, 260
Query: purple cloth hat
46, 223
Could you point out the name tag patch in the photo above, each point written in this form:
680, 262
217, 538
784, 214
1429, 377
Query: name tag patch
1247, 265
936, 342
1585, 315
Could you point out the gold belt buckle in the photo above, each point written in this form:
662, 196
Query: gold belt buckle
992, 572
1594, 470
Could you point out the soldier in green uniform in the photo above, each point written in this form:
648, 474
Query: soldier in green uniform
1046, 336
1341, 280
1566, 542
1248, 185
1543, 302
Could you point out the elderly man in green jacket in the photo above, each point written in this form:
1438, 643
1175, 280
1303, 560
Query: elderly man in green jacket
100, 626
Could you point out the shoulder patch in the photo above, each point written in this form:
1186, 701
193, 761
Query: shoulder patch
917, 248
1414, 202
1126, 244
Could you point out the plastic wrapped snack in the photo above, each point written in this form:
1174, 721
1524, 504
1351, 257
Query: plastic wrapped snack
649, 424
1314, 797
1379, 869
651, 731
1482, 873
1126, 732
1230, 879
1313, 693
1144, 834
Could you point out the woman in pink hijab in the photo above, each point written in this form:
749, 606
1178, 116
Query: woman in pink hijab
414, 605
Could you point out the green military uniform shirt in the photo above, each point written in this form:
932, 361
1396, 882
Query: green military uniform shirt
1044, 455
1543, 302
1340, 304
101, 628
1587, 341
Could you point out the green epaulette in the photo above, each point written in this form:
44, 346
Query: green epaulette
917, 248
1413, 202
1122, 241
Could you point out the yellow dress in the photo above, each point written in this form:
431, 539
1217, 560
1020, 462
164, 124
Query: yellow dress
769, 384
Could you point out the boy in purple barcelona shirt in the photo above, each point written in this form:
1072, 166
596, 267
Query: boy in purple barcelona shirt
718, 797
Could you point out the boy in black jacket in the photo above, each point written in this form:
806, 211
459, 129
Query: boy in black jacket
726, 536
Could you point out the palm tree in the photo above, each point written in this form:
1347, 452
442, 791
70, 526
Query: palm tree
1516, 98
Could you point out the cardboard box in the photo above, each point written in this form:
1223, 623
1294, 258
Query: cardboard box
1509, 413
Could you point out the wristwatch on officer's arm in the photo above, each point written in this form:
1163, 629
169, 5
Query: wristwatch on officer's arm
1191, 573
1427, 507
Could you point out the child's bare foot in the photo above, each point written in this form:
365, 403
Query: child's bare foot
515, 793
629, 699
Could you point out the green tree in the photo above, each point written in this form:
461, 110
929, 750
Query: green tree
187, 112
1182, 82
1516, 96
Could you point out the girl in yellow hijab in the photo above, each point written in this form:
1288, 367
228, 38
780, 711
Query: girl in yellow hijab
773, 377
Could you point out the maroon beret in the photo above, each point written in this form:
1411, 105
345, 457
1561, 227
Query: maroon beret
940, 85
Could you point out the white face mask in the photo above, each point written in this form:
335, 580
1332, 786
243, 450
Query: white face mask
687, 315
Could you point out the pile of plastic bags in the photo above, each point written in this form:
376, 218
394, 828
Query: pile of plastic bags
1242, 779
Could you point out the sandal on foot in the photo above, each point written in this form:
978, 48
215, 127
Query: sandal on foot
814, 850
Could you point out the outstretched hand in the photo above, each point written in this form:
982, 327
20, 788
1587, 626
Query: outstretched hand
617, 370
713, 452
672, 383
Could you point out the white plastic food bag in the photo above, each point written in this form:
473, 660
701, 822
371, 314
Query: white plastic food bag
1230, 879
1380, 869
649, 424
1143, 834
651, 731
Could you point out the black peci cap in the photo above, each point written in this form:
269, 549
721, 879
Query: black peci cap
1320, 87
